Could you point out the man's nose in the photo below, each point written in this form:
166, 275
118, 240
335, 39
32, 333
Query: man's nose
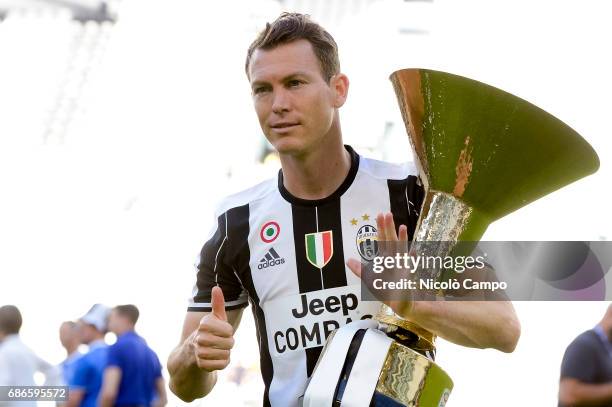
281, 102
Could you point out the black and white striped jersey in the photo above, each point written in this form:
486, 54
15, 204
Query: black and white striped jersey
287, 256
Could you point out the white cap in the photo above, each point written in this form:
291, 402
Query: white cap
97, 316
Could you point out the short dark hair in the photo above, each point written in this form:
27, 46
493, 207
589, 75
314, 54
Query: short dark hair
10, 319
129, 311
289, 27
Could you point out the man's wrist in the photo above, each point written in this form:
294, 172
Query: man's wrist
414, 311
189, 381
404, 310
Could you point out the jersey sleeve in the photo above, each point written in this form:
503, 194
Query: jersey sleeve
157, 368
81, 376
115, 355
214, 267
580, 361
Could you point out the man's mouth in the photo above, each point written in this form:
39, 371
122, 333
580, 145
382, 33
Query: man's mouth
283, 125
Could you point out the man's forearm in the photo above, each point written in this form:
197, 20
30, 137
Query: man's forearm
478, 324
187, 380
107, 400
573, 393
162, 398
74, 398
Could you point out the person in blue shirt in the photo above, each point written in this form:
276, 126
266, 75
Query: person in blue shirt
70, 340
86, 382
586, 369
132, 377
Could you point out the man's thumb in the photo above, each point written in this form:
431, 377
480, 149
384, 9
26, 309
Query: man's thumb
218, 303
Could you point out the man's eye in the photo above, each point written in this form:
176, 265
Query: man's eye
260, 89
294, 83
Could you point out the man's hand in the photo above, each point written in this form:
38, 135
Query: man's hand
204, 348
214, 338
387, 233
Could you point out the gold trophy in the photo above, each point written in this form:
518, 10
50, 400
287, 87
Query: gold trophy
481, 154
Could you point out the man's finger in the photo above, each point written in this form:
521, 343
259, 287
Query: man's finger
390, 227
211, 365
217, 327
403, 233
218, 303
380, 224
213, 354
355, 266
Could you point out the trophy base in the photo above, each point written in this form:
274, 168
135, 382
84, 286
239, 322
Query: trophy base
407, 378
378, 400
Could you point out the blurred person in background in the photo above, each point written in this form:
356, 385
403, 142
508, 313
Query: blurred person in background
85, 385
586, 369
70, 340
132, 377
283, 244
18, 363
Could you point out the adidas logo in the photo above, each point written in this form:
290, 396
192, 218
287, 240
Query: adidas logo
270, 259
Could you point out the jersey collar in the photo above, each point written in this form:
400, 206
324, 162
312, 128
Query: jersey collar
337, 193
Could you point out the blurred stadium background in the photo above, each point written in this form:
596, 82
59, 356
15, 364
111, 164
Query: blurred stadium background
122, 122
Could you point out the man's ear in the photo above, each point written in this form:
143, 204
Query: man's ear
339, 84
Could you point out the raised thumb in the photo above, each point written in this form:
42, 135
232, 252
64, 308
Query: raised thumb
218, 303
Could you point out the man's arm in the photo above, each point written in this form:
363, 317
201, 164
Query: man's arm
579, 371
77, 385
205, 345
110, 386
162, 397
75, 396
53, 374
5, 371
479, 324
574, 393
471, 322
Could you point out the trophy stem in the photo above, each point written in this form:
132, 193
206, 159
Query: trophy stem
444, 221
444, 218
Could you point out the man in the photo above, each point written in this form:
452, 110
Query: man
133, 373
84, 388
70, 340
283, 244
17, 362
586, 370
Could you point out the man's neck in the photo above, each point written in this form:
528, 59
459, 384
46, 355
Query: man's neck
123, 331
317, 174
607, 329
96, 340
5, 336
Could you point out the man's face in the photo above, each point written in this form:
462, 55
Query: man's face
86, 332
113, 321
294, 103
83, 332
68, 335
